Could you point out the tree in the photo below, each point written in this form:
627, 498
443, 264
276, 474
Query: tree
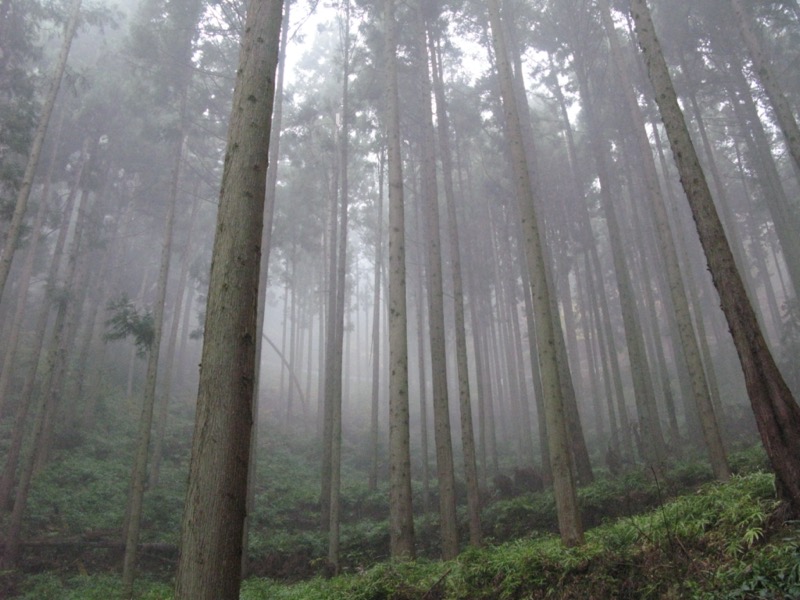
401, 519
776, 411
211, 533
12, 238
464, 398
680, 304
435, 296
764, 72
569, 520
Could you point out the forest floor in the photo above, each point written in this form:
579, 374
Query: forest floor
680, 537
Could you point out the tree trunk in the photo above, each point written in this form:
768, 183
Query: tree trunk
780, 104
334, 362
561, 460
56, 362
465, 401
139, 470
401, 519
435, 296
776, 411
376, 333
211, 535
15, 228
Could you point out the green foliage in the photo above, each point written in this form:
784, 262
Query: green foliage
48, 586
709, 544
126, 320
749, 460
78, 494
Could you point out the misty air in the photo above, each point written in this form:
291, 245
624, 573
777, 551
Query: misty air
399, 300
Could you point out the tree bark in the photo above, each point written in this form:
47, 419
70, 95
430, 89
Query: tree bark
776, 411
211, 535
401, 520
561, 460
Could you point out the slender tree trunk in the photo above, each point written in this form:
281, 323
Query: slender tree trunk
780, 104
12, 341
435, 295
376, 334
465, 400
15, 228
211, 535
166, 393
56, 363
776, 411
401, 521
139, 470
26, 397
561, 460
334, 362
640, 370
687, 336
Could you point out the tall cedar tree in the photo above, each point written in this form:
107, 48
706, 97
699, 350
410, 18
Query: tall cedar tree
211, 538
776, 411
401, 518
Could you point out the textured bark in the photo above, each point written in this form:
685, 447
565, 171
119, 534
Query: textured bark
776, 411
401, 519
560, 457
211, 535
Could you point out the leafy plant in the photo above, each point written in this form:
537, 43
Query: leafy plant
126, 320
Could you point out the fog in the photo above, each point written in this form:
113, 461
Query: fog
588, 293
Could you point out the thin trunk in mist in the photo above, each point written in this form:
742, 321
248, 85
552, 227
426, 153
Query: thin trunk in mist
763, 70
776, 411
139, 470
210, 562
464, 396
58, 289
21, 205
422, 365
580, 453
26, 398
558, 441
329, 376
650, 431
435, 296
763, 165
167, 375
333, 361
25, 276
70, 296
680, 304
594, 270
401, 518
376, 333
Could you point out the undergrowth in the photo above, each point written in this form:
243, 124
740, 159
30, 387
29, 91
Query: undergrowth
712, 544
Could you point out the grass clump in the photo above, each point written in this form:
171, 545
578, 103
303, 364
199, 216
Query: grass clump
715, 543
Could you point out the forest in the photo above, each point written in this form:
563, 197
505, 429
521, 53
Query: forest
403, 300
